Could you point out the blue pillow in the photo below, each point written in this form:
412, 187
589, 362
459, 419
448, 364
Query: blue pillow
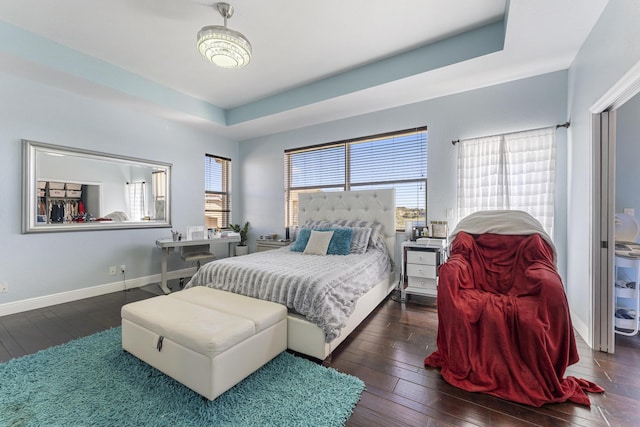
340, 242
301, 240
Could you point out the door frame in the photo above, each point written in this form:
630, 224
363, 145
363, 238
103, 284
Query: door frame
603, 205
604, 166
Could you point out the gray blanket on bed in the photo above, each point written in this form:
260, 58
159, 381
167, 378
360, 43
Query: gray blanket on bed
324, 289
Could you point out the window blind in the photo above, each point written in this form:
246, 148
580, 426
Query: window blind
217, 186
391, 160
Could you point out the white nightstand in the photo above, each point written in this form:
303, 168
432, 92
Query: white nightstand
267, 245
419, 269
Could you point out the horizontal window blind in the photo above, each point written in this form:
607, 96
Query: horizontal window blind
217, 185
392, 160
318, 168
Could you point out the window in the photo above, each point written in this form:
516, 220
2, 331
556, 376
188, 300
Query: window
514, 171
217, 187
393, 160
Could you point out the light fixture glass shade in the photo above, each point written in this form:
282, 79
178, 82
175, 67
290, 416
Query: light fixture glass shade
224, 47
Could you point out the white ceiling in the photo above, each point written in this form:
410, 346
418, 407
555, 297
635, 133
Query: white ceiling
296, 44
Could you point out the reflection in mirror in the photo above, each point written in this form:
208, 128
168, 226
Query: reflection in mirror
69, 189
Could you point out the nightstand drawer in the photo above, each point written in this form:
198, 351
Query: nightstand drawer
419, 270
421, 257
422, 283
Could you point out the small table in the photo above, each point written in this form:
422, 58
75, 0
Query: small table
168, 245
419, 268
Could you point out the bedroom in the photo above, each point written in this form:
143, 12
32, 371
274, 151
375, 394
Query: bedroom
66, 271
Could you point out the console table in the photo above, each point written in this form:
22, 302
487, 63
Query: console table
168, 246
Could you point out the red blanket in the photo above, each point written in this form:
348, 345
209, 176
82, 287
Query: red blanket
503, 322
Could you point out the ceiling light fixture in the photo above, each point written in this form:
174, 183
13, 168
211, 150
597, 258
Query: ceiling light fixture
224, 47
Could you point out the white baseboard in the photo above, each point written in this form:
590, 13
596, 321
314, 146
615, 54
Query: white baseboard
93, 291
582, 329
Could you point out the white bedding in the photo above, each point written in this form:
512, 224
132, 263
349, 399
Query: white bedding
322, 288
509, 222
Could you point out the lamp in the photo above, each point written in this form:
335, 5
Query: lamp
224, 47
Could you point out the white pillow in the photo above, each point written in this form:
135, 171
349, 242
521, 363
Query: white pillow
318, 242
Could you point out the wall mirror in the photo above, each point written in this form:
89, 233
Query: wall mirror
70, 189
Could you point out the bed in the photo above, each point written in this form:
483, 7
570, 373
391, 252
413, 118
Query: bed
355, 283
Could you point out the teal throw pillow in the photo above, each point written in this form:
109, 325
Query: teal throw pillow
301, 240
340, 242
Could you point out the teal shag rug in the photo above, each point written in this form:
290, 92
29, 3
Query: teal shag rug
91, 381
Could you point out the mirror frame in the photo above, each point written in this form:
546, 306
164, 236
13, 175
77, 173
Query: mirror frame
30, 150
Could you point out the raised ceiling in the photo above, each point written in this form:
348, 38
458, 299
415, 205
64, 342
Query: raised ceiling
313, 61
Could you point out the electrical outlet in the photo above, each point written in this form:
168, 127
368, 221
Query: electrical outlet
123, 268
112, 270
4, 287
629, 211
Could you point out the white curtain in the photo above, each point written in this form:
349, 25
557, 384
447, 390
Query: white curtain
136, 199
513, 171
159, 194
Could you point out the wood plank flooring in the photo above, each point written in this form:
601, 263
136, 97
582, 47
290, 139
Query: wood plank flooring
386, 352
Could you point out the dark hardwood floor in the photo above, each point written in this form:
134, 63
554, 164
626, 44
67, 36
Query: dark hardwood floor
386, 351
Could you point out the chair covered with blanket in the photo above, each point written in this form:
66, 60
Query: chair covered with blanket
504, 327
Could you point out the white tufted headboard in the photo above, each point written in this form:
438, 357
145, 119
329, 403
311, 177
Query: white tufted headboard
367, 205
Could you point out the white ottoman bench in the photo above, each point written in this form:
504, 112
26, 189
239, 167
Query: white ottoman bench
209, 340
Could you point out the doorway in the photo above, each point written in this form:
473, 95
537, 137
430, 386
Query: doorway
621, 98
627, 203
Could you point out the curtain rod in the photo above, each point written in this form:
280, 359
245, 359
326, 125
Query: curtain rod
563, 125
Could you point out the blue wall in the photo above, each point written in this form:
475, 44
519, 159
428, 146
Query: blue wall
610, 51
67, 264
628, 156
525, 104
